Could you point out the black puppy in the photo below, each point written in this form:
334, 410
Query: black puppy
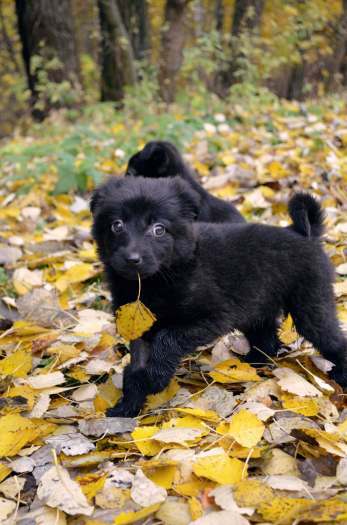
202, 280
162, 159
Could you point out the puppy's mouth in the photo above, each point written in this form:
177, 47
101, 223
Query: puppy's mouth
131, 273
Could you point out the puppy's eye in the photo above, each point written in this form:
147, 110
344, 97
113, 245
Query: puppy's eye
158, 230
117, 226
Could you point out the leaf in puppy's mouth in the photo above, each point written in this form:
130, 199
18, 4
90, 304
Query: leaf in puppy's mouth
133, 320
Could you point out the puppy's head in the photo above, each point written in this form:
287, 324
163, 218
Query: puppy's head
142, 226
157, 159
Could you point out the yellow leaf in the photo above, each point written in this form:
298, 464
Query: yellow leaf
107, 396
283, 510
287, 332
23, 391
195, 508
4, 471
329, 510
76, 274
307, 406
276, 170
233, 371
187, 422
146, 445
251, 493
131, 517
209, 415
220, 468
78, 373
162, 476
17, 364
133, 320
91, 484
246, 428
156, 400
191, 488
16, 432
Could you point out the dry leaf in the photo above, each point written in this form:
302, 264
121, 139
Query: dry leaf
25, 280
233, 371
224, 516
16, 432
220, 468
46, 380
246, 428
295, 383
6, 508
174, 511
56, 489
104, 427
124, 518
144, 492
71, 444
17, 364
177, 435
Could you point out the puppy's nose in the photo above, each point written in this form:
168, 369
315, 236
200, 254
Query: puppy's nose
134, 258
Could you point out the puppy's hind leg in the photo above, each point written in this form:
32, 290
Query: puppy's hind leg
314, 315
262, 338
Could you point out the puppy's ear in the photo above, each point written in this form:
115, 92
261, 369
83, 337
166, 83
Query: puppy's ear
155, 153
190, 200
133, 163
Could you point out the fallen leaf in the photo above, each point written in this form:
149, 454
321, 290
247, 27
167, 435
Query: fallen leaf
9, 254
177, 435
294, 383
17, 364
174, 511
124, 518
246, 428
108, 426
76, 274
233, 371
220, 468
56, 489
143, 438
16, 432
70, 444
144, 492
7, 507
46, 380
25, 280
223, 516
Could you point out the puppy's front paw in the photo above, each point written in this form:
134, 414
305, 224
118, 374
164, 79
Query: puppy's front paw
123, 409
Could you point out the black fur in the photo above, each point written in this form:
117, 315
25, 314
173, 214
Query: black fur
162, 159
202, 280
306, 214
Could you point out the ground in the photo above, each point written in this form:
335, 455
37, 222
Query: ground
226, 442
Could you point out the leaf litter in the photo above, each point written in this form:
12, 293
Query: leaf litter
227, 441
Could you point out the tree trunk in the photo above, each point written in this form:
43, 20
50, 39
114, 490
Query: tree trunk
135, 18
46, 31
247, 16
172, 45
219, 15
117, 60
246, 20
337, 63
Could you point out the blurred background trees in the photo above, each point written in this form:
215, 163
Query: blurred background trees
71, 53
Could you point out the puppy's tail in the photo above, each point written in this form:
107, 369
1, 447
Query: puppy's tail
306, 214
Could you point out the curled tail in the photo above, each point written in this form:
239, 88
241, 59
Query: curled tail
306, 214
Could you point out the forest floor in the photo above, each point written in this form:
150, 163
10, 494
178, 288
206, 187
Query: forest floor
226, 442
